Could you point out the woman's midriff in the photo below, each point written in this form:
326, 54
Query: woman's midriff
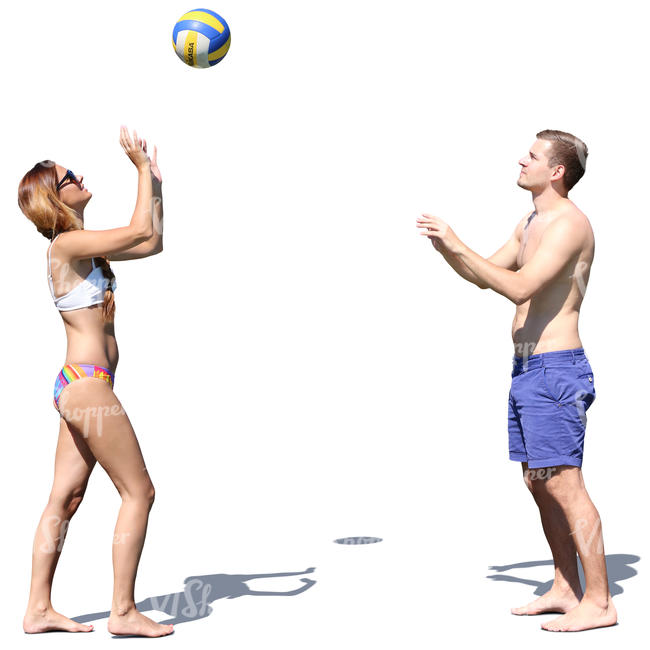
90, 339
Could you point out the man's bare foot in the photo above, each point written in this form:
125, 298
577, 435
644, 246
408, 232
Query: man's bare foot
135, 623
586, 616
554, 600
48, 620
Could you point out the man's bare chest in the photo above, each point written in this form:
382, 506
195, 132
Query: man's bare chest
531, 236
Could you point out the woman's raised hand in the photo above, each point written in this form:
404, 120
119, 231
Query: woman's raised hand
155, 171
135, 149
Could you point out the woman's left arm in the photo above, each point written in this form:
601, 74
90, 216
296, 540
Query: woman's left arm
156, 239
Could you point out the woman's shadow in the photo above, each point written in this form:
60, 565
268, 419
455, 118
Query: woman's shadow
618, 568
192, 603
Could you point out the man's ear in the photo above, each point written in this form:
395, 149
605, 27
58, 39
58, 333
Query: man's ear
558, 173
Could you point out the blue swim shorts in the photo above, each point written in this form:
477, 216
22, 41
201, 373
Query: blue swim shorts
547, 407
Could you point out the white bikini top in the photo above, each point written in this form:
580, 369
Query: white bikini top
88, 292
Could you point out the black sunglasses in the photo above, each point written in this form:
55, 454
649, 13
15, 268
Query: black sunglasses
68, 175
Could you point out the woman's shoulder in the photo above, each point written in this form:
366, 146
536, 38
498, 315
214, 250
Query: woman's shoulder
60, 248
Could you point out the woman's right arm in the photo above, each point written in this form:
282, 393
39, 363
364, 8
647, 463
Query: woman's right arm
82, 244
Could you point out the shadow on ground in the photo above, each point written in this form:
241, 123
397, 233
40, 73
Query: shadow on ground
193, 603
618, 569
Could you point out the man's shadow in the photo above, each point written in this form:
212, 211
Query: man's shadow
192, 603
618, 568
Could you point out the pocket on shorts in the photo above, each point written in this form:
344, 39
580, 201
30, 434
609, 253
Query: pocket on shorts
586, 387
572, 383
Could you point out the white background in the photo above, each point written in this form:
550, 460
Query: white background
299, 364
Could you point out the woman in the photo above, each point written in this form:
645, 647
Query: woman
93, 424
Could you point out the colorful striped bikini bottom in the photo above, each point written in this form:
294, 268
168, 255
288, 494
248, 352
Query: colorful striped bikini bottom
72, 371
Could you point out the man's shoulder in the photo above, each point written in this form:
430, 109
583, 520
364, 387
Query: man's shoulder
571, 211
570, 225
575, 221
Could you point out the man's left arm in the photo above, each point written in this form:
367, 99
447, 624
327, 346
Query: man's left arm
561, 241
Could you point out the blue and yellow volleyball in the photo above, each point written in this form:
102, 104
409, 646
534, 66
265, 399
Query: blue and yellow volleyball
201, 38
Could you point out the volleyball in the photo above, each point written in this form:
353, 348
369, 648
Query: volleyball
201, 38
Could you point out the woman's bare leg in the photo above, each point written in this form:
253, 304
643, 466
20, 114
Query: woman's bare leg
93, 412
72, 467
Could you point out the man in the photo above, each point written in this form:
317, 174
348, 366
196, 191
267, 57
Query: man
544, 269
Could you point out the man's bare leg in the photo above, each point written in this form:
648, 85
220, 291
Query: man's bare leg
566, 592
596, 609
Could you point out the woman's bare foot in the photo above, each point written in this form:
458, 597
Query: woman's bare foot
48, 620
586, 616
133, 622
555, 600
